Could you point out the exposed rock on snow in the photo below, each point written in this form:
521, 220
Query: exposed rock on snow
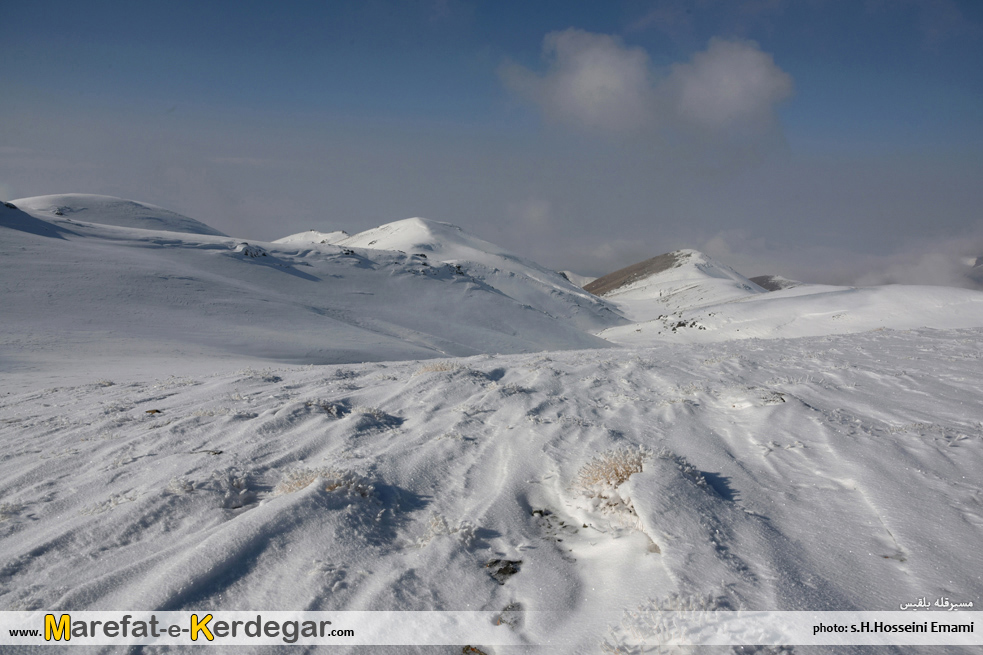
247, 250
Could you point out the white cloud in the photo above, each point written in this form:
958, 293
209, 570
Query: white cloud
595, 81
943, 268
733, 84
940, 261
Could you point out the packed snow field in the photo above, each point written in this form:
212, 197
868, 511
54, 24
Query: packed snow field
471, 443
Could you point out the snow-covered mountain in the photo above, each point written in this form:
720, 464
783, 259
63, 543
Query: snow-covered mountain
687, 296
684, 279
195, 422
435, 242
96, 291
809, 310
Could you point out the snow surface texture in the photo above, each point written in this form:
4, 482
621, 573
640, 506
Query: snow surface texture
825, 473
828, 472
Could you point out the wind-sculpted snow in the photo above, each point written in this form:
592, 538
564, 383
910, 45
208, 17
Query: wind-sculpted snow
830, 473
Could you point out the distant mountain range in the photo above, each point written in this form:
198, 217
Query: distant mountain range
95, 277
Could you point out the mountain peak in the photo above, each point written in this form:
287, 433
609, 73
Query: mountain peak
682, 279
639, 271
417, 234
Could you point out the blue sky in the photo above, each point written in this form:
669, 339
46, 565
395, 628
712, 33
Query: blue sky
832, 140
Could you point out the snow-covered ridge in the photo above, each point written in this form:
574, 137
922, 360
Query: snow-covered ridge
69, 284
440, 241
515, 276
683, 279
435, 239
108, 210
315, 237
687, 296
673, 273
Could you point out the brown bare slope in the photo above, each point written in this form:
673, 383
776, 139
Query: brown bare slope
774, 282
627, 275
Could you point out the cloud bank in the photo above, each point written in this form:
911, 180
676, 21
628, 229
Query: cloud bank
733, 84
596, 82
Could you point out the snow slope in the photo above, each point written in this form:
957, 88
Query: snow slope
829, 473
686, 296
580, 280
313, 236
91, 295
515, 276
107, 210
809, 310
683, 279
